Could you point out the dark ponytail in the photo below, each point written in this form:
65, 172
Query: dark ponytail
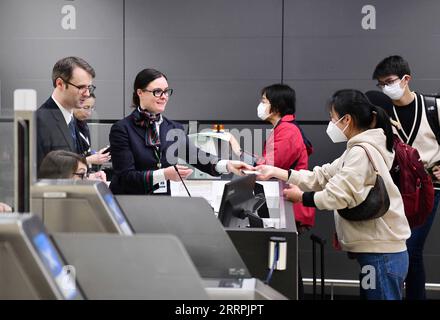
383, 121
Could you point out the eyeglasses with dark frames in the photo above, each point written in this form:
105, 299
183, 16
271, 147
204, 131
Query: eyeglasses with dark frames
380, 85
82, 175
159, 92
82, 89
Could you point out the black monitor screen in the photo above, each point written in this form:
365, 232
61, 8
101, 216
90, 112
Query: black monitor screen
23, 178
239, 203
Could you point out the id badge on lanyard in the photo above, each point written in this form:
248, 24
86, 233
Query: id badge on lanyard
163, 188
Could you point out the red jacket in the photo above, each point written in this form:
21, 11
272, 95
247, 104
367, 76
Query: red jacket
284, 148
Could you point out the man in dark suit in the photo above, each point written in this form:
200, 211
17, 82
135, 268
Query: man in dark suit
56, 130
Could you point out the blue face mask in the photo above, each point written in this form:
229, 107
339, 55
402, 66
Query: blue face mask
336, 135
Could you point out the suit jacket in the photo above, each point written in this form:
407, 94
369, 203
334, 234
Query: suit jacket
133, 161
84, 146
52, 131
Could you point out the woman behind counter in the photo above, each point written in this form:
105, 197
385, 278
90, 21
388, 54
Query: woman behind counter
139, 143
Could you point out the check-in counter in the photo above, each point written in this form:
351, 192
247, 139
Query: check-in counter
254, 244
36, 265
90, 207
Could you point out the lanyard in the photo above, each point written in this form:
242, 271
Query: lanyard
408, 137
157, 155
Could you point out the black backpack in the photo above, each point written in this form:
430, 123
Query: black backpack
431, 109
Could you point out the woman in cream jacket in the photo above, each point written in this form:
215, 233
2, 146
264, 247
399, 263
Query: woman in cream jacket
377, 244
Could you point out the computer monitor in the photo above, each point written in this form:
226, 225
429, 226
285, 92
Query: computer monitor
53, 262
119, 216
263, 211
31, 231
239, 202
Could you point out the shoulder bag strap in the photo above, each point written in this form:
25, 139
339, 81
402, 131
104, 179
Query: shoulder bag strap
369, 156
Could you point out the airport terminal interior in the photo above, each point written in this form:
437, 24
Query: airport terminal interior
207, 224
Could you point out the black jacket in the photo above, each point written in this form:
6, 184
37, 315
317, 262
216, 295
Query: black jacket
133, 160
52, 131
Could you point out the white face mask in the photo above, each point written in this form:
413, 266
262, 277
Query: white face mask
336, 134
394, 91
262, 111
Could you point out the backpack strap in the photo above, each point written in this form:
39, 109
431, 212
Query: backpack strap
369, 156
432, 115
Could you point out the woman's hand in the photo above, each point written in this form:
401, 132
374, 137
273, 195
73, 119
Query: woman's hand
235, 146
5, 208
293, 193
267, 172
100, 176
99, 157
171, 173
236, 166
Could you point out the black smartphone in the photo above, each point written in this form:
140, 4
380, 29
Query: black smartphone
107, 150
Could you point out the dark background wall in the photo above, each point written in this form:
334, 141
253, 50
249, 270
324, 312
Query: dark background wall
217, 55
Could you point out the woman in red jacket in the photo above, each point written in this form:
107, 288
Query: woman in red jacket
285, 147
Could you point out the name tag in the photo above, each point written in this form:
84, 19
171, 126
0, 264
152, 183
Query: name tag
163, 188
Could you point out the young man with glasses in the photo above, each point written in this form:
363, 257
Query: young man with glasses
56, 130
408, 109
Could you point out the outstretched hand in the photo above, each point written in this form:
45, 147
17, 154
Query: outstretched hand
237, 166
266, 172
171, 173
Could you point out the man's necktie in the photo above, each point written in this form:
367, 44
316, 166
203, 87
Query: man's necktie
72, 128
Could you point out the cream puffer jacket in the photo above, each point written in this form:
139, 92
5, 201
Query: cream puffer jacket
346, 182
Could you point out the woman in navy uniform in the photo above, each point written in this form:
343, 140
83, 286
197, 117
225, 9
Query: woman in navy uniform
145, 144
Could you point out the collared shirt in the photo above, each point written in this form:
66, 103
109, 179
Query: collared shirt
66, 113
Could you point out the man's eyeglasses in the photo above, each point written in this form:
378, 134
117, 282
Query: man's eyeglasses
82, 89
380, 85
159, 92
81, 175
